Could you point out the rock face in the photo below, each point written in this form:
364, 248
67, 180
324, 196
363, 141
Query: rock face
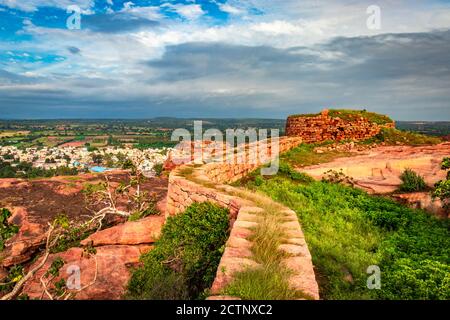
323, 127
103, 276
25, 243
144, 231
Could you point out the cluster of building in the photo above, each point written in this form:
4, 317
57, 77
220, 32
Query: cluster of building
83, 159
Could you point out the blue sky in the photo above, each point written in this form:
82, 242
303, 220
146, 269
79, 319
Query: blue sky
223, 58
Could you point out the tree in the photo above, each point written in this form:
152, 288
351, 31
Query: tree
97, 158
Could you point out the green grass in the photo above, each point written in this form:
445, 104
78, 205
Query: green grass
348, 230
7, 230
184, 261
270, 280
304, 155
350, 115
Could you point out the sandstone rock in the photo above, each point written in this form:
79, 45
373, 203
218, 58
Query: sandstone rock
378, 170
21, 247
109, 268
144, 231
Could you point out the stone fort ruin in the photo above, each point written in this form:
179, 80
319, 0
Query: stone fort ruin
337, 125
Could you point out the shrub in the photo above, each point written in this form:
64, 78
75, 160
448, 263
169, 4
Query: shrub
158, 168
442, 188
6, 230
412, 182
184, 261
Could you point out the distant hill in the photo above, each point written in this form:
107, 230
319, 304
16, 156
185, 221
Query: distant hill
435, 128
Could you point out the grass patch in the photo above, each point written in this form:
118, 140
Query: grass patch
348, 230
184, 261
351, 115
270, 280
304, 155
6, 230
266, 283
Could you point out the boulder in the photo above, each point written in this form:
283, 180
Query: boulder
103, 276
144, 231
22, 246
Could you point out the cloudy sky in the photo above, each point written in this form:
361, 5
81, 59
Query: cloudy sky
223, 58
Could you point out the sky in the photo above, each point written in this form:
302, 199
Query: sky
223, 58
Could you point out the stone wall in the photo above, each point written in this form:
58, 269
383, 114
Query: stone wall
207, 182
323, 127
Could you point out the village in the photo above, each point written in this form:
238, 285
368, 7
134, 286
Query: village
83, 159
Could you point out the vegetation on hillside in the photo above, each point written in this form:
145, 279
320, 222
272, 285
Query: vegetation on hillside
304, 155
7, 230
390, 136
412, 182
442, 188
348, 230
349, 115
26, 170
184, 261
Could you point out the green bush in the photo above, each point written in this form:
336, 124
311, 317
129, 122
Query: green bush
158, 168
442, 188
184, 261
412, 182
6, 230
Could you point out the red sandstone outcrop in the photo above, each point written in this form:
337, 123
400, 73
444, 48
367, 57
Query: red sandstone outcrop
103, 275
22, 246
378, 170
144, 231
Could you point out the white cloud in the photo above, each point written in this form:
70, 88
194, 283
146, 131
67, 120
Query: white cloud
33, 5
225, 7
188, 11
150, 12
128, 5
277, 27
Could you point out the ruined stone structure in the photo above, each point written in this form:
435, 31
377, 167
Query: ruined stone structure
322, 127
200, 183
